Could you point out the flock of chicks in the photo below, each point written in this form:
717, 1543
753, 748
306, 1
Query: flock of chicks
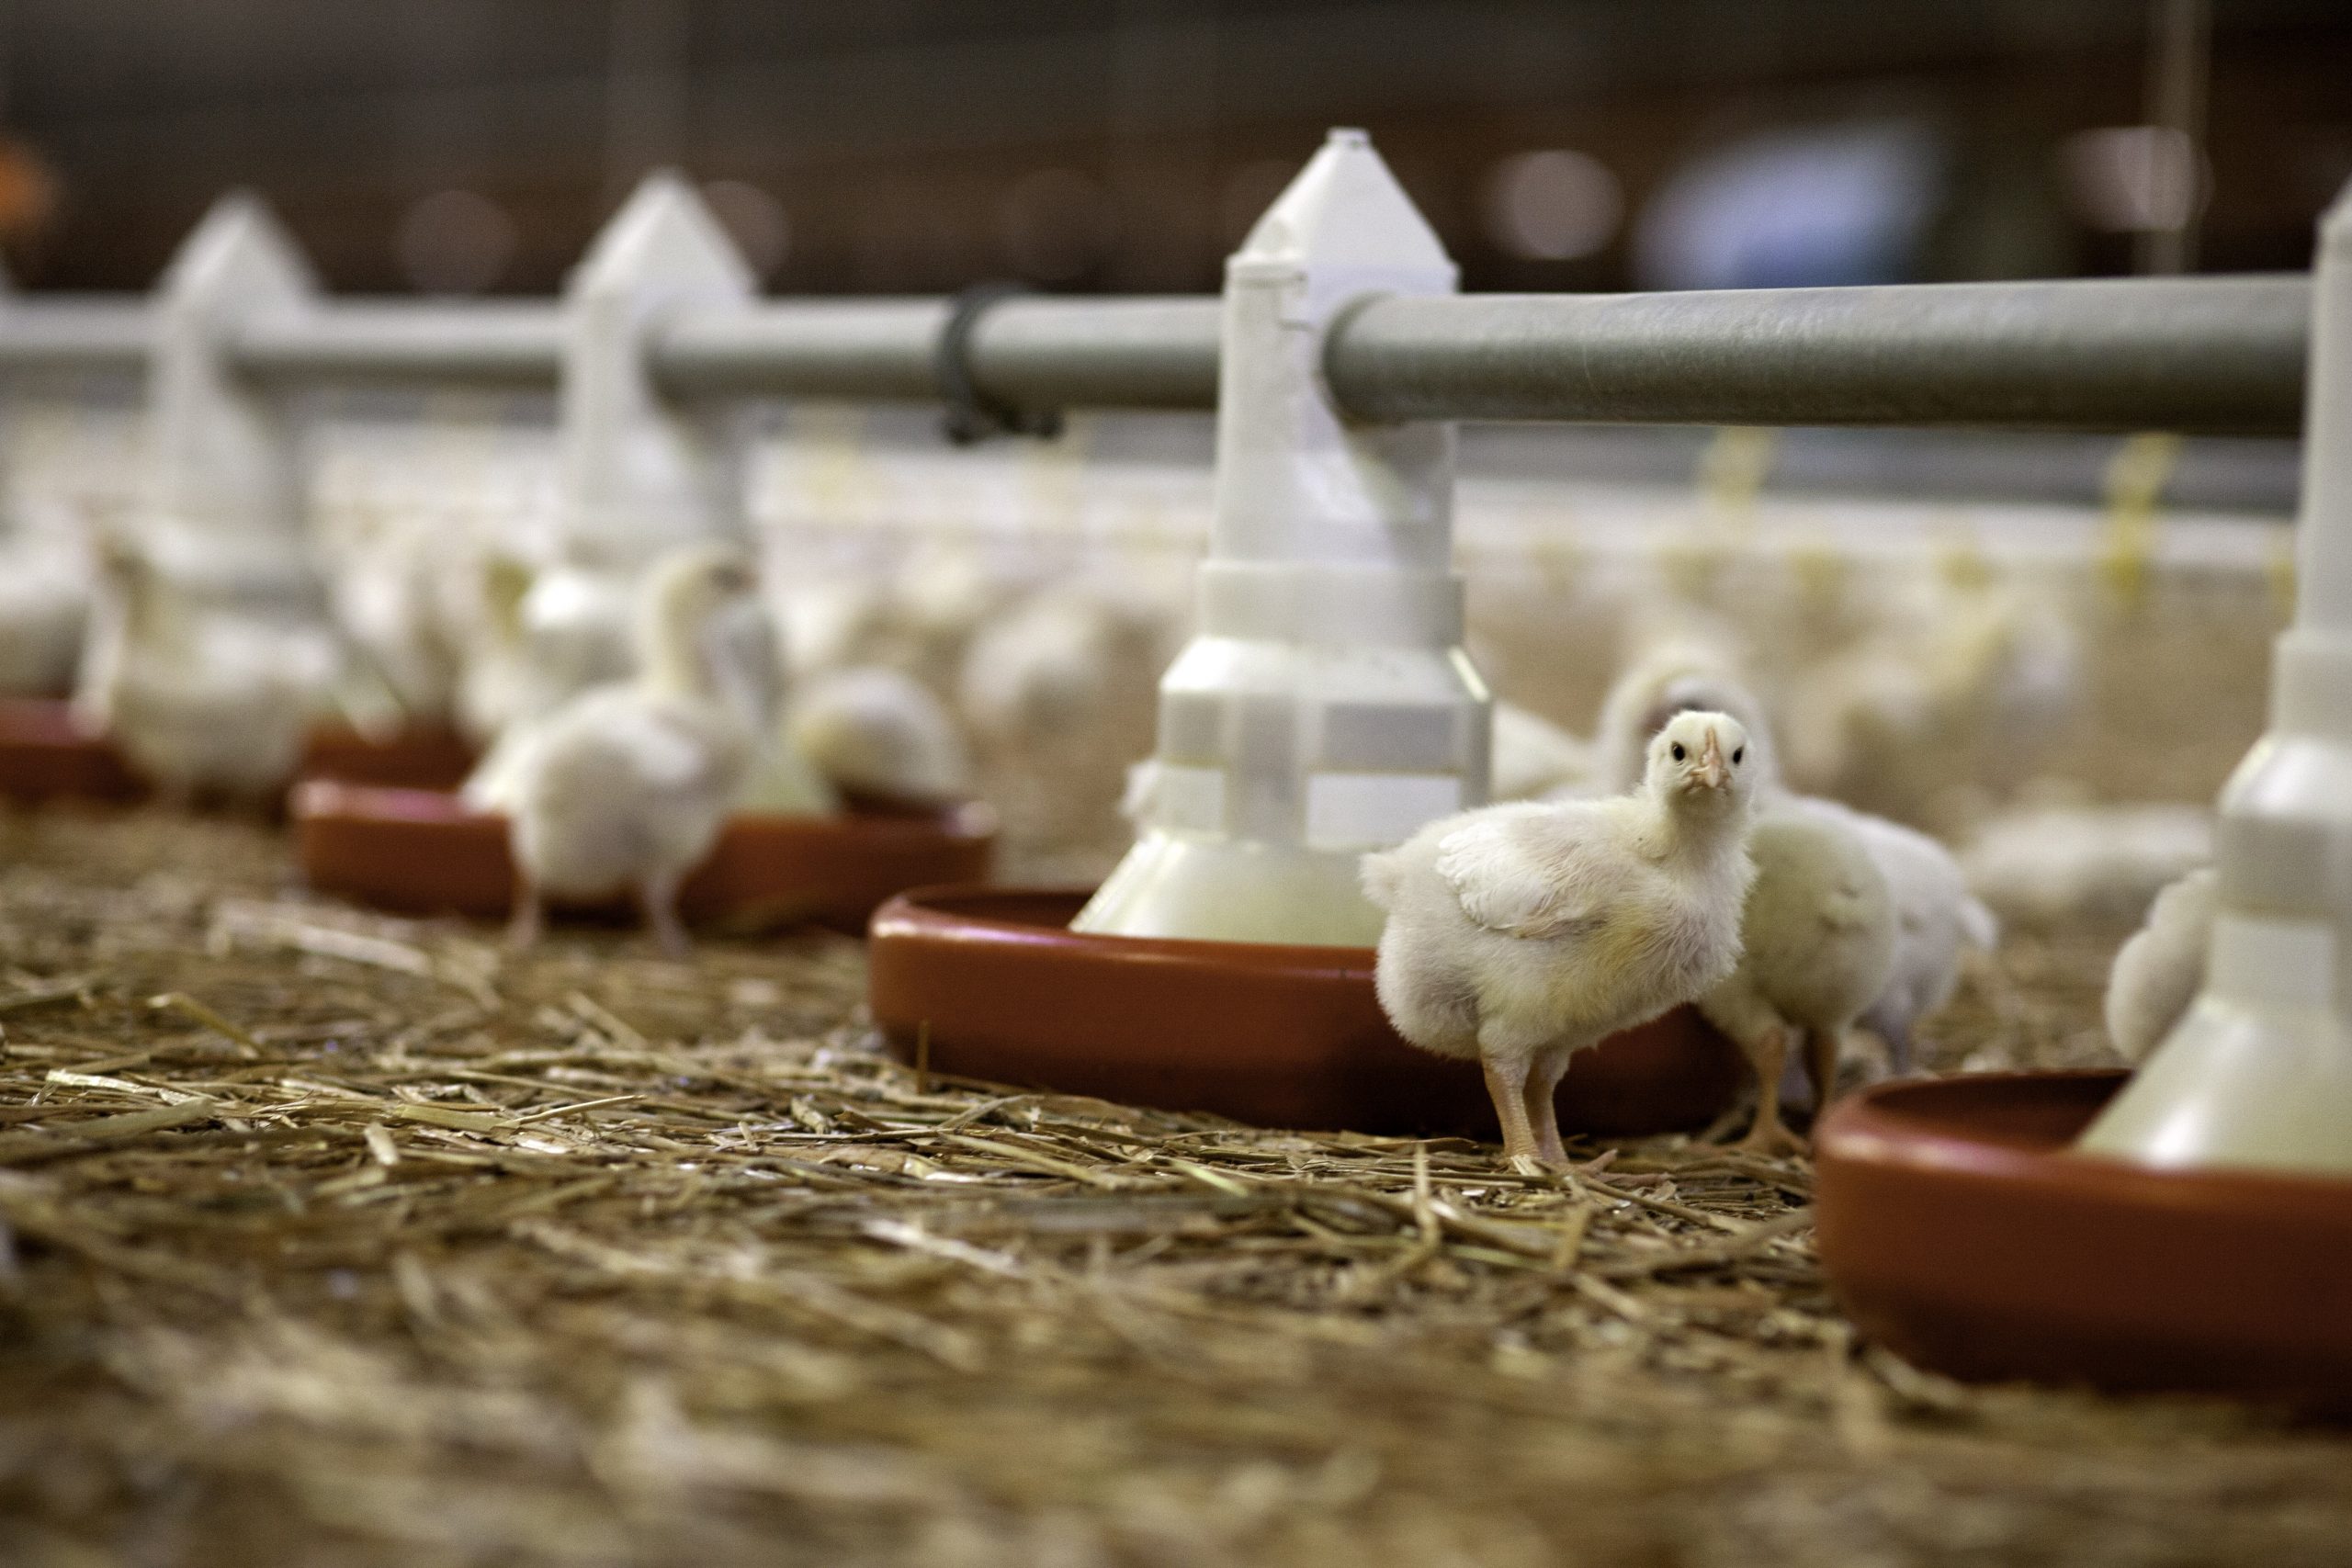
1665, 861
621, 714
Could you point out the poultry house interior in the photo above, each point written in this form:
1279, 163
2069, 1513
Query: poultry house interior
920, 786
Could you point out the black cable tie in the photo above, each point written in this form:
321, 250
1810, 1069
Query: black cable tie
972, 415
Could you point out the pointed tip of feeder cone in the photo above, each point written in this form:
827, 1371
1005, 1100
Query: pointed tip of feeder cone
238, 248
664, 230
1347, 208
2336, 223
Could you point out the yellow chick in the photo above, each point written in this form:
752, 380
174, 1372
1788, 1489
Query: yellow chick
625, 787
1521, 934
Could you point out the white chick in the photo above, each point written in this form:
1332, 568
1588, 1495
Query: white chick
1521, 934
1056, 665
873, 731
201, 697
45, 593
2063, 865
1935, 918
2159, 972
626, 786
1816, 944
540, 638
386, 595
1057, 693
1532, 757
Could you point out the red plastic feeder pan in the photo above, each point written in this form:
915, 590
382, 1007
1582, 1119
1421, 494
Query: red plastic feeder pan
992, 984
1959, 1230
423, 852
44, 755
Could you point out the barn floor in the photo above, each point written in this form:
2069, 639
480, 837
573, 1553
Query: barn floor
337, 1240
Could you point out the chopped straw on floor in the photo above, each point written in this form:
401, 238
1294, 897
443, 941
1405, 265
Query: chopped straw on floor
338, 1239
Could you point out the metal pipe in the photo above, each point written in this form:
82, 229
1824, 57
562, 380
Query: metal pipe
2199, 356
1036, 353
853, 349
494, 344
82, 334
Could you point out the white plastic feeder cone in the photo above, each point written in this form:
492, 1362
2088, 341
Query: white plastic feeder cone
639, 474
2259, 1073
222, 506
1326, 707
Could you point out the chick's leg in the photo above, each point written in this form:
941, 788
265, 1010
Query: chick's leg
657, 895
1821, 1052
1542, 1107
1506, 1083
529, 920
1898, 1048
1770, 1051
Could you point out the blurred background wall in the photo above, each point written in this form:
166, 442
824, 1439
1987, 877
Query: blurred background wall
889, 145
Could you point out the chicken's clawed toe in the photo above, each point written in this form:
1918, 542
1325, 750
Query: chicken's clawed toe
1773, 1138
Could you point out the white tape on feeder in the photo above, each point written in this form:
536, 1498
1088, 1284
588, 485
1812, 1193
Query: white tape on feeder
1326, 707
2258, 1072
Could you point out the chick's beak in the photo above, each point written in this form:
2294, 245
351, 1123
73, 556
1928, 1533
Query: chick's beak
1712, 771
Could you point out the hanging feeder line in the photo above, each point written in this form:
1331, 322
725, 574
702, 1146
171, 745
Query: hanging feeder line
2199, 356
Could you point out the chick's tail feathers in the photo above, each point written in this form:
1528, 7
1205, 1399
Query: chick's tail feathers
1380, 875
1979, 927
1849, 909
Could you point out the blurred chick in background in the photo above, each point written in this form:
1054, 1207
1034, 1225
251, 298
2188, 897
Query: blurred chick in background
625, 787
46, 586
1959, 689
880, 733
1058, 691
2060, 864
2159, 972
1521, 934
539, 636
1533, 758
204, 697
389, 593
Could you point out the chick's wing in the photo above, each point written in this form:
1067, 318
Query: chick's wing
1507, 880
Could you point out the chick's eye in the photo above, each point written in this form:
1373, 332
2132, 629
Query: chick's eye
1679, 753
1736, 754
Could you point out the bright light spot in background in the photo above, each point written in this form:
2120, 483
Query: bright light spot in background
1837, 204
2130, 179
455, 242
1055, 225
756, 220
1553, 206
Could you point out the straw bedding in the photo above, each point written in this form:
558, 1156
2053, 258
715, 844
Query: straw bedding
335, 1239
